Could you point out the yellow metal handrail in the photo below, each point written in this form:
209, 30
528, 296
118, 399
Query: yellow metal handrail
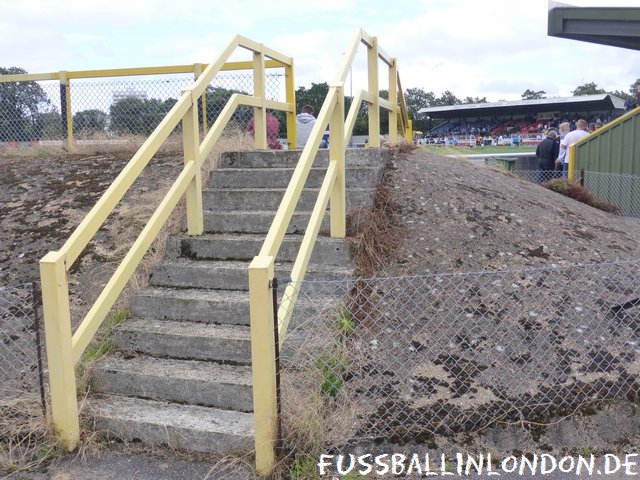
65, 348
332, 191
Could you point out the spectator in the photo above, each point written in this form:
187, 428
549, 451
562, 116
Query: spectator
304, 124
563, 129
547, 152
571, 138
273, 129
629, 104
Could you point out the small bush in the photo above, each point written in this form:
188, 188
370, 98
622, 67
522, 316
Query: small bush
346, 325
576, 191
331, 367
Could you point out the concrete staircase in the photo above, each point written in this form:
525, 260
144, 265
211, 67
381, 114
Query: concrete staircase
181, 375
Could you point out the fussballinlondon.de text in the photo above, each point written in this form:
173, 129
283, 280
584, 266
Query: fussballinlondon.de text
463, 465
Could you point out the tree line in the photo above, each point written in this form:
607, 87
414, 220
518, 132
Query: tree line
26, 112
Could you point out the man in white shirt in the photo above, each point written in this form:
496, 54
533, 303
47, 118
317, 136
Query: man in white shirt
563, 129
571, 138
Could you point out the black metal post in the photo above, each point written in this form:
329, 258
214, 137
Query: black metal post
278, 446
63, 110
582, 177
35, 296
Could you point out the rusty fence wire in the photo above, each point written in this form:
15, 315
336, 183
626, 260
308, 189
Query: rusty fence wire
115, 108
22, 362
403, 359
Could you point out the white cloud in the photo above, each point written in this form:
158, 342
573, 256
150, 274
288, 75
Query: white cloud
493, 49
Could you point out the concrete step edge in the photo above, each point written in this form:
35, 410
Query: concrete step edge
185, 340
196, 382
184, 427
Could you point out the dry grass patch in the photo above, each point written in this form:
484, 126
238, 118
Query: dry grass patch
374, 233
27, 441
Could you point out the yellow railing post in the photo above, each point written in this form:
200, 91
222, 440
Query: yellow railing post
393, 100
263, 362
191, 147
57, 325
373, 86
409, 132
571, 159
290, 97
337, 154
259, 113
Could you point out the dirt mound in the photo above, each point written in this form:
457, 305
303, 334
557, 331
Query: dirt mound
462, 217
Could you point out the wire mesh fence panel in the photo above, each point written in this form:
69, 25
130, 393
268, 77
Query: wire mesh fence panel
619, 189
123, 107
21, 362
117, 108
29, 111
539, 176
402, 359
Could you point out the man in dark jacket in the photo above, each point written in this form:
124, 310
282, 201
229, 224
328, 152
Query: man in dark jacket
547, 153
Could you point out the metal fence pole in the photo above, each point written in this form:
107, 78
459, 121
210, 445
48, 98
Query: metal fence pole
35, 295
276, 343
66, 114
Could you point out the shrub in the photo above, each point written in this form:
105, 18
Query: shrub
576, 191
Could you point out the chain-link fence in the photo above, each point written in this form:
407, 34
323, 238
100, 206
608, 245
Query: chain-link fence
621, 191
403, 359
115, 108
22, 374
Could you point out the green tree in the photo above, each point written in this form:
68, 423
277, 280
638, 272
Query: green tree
314, 96
447, 98
416, 99
49, 125
20, 106
587, 89
469, 100
138, 116
89, 122
217, 98
533, 95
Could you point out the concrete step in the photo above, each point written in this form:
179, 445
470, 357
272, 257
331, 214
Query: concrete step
195, 382
243, 221
279, 177
196, 305
229, 275
289, 158
226, 246
184, 427
270, 198
180, 339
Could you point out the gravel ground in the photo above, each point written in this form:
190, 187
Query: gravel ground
464, 218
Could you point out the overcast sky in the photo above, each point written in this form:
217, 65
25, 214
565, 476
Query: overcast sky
480, 48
